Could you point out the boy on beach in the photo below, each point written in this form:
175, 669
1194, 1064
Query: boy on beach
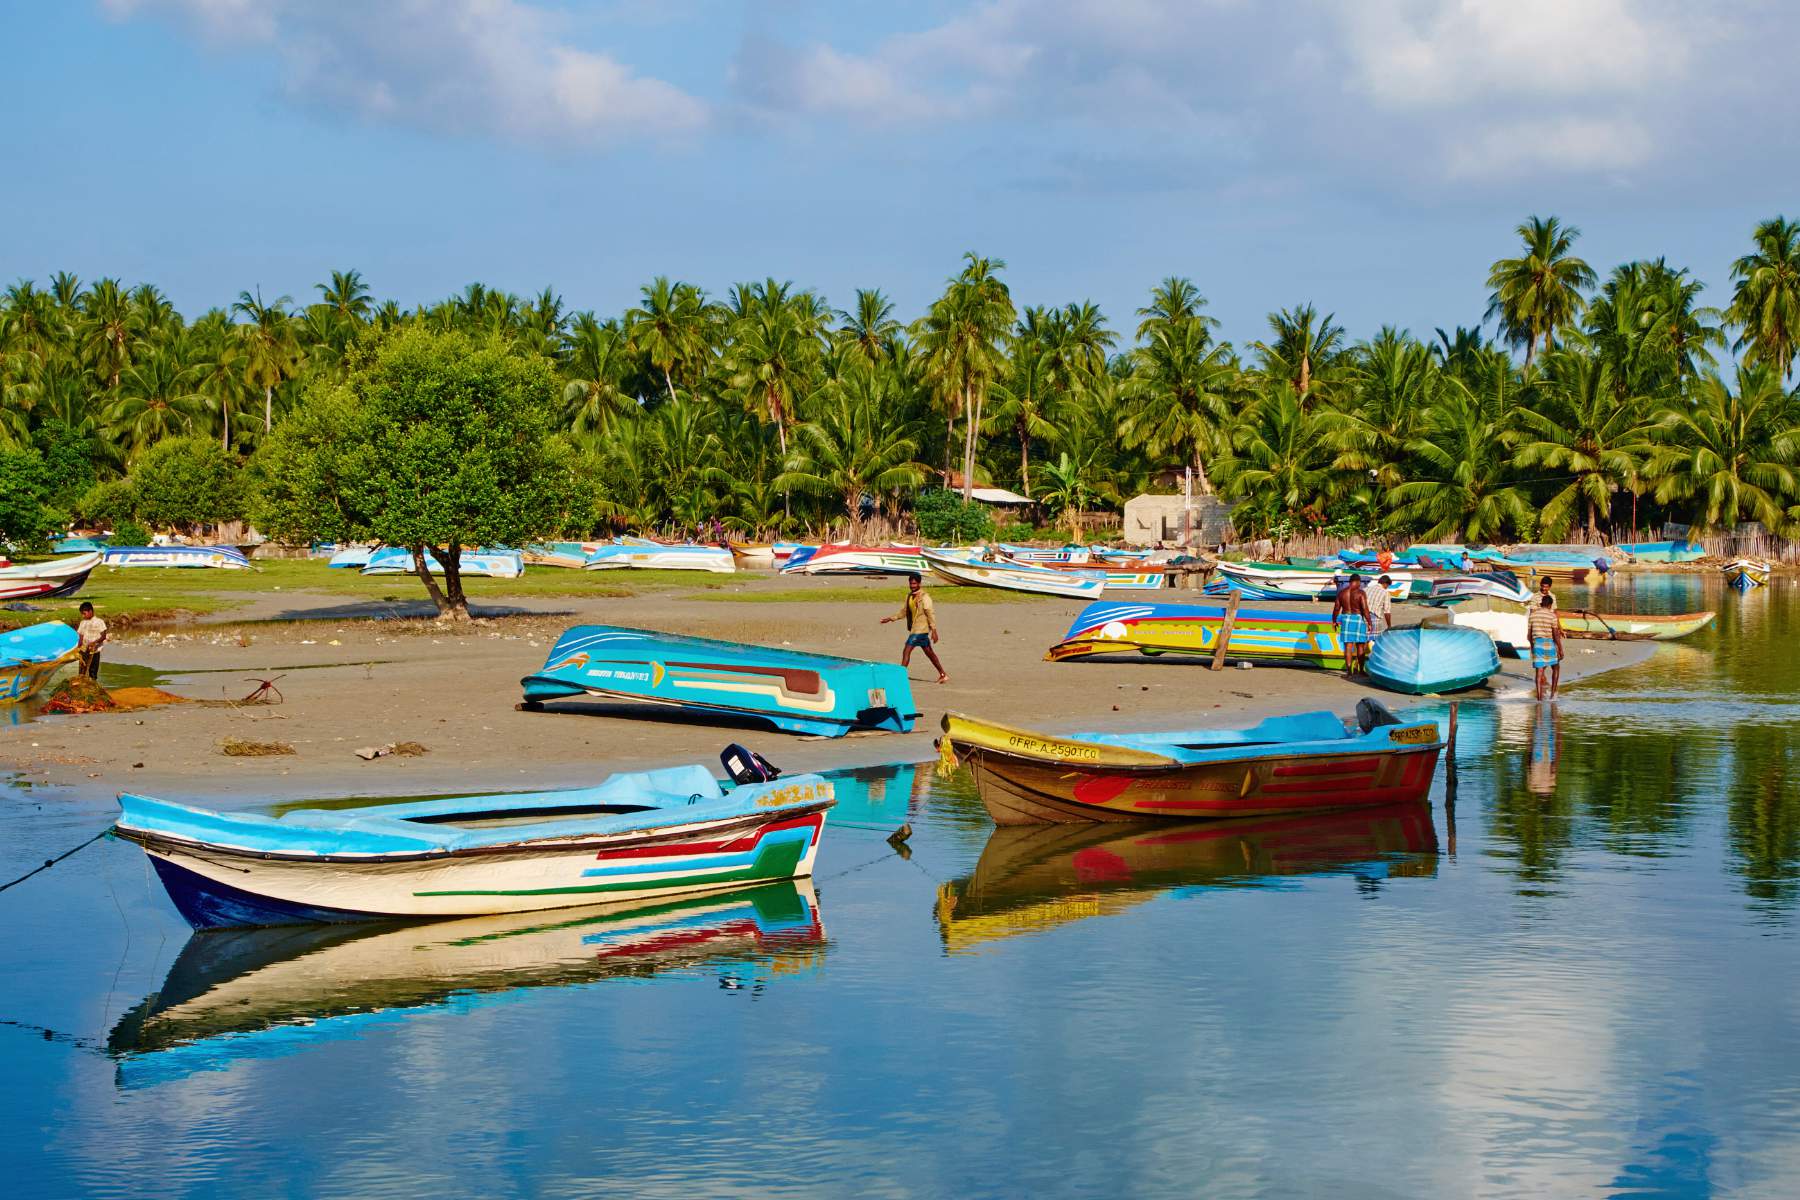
921, 625
1545, 632
1547, 596
1350, 613
90, 636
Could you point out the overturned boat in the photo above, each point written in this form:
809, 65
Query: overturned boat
495, 564
1422, 659
632, 837
971, 571
644, 555
1260, 635
1310, 762
46, 580
30, 656
229, 558
794, 691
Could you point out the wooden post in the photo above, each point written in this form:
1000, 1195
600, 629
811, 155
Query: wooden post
1231, 607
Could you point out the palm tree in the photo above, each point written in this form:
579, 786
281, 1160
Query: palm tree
1457, 488
216, 355
856, 446
1539, 292
1182, 395
1304, 346
1731, 453
1582, 425
870, 325
1398, 381
1281, 458
1765, 304
108, 329
1680, 331
594, 354
1077, 342
271, 350
960, 337
1175, 301
348, 296
773, 359
669, 327
156, 400
1022, 402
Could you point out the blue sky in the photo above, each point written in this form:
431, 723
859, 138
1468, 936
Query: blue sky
1369, 156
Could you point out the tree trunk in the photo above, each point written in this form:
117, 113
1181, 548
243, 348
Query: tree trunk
1593, 523
268, 407
431, 587
1200, 471
1305, 377
1024, 462
669, 383
949, 441
974, 418
1530, 348
225, 420
454, 606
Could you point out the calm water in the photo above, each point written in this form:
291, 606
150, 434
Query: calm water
1586, 982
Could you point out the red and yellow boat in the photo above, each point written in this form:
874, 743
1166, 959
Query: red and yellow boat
1310, 762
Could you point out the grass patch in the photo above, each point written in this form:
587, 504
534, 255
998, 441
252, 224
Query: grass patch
244, 748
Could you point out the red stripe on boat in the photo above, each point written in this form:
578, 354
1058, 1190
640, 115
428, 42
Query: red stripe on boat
744, 842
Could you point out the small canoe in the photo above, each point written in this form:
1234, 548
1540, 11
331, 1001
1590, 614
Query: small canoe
1663, 552
347, 557
1631, 627
1746, 573
78, 545
1499, 585
860, 560
632, 837
233, 995
30, 656
229, 558
1310, 762
1035, 877
1559, 570
1419, 659
641, 555
1257, 635
757, 555
1279, 581
1017, 577
58, 577
493, 564
795, 692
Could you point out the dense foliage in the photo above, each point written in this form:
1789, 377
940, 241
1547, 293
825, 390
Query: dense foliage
766, 409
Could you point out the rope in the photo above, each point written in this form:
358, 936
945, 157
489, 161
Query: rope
51, 862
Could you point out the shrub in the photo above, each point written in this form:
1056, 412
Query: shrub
185, 482
26, 518
128, 532
1016, 531
944, 519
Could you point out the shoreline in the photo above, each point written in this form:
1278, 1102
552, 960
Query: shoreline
351, 682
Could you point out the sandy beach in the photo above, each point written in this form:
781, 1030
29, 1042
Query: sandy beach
349, 681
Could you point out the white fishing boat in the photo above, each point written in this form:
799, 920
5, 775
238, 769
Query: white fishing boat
1017, 577
494, 564
58, 577
860, 560
639, 554
229, 558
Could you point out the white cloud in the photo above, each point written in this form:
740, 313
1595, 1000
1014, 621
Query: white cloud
1574, 145
459, 66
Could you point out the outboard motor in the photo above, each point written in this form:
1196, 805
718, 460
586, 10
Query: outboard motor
1372, 714
747, 766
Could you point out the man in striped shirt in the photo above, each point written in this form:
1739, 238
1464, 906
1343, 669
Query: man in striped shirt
1545, 632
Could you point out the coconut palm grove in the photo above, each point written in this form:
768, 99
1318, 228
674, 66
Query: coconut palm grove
1585, 402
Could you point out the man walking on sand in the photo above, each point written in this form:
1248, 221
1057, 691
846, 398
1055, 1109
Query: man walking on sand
90, 635
1380, 603
1546, 636
1350, 613
921, 626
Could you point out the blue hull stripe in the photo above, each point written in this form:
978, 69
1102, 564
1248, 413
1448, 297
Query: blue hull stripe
208, 904
701, 862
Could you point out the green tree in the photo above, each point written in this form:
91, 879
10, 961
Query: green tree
186, 482
1729, 455
1539, 292
271, 352
669, 328
1281, 459
1182, 395
1583, 426
856, 446
435, 443
1305, 350
1765, 301
960, 338
26, 517
1458, 487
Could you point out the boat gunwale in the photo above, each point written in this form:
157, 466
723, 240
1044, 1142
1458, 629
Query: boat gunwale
1170, 766
153, 840
760, 714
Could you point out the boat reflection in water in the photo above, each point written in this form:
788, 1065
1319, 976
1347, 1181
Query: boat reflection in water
240, 994
1033, 877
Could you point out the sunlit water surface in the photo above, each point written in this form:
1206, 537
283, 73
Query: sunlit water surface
1582, 979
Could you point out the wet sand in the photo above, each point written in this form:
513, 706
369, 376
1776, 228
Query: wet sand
350, 682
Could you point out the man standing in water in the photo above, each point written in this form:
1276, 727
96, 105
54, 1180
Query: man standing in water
92, 635
1546, 636
1547, 596
921, 626
1350, 613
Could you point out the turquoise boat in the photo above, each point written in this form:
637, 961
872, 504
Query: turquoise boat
1664, 552
30, 656
1432, 658
793, 691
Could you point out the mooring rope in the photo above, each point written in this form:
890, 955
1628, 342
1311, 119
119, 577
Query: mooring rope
51, 862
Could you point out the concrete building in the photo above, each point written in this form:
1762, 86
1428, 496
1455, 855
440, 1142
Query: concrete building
1203, 522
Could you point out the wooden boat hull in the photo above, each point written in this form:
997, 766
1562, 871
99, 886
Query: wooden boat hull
1746, 573
1018, 577
1156, 629
756, 555
1277, 582
1559, 572
1426, 659
814, 694
1631, 627
1025, 778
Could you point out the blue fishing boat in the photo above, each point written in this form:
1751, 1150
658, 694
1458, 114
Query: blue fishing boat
793, 691
496, 564
1663, 552
644, 555
30, 656
78, 545
632, 837
1432, 658
227, 557
351, 556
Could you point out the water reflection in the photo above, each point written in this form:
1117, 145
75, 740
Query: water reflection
256, 993
1546, 743
1034, 877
